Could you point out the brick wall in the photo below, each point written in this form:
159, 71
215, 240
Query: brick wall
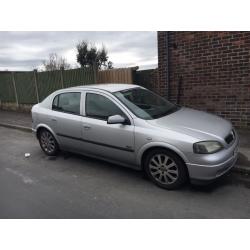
215, 71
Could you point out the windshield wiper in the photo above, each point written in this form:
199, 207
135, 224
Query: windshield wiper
168, 112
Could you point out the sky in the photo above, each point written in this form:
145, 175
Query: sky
26, 50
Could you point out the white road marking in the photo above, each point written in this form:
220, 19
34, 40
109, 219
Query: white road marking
25, 179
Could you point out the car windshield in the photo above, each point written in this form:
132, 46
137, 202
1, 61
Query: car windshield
145, 104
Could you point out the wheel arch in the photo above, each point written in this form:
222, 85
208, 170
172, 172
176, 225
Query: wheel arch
152, 146
44, 126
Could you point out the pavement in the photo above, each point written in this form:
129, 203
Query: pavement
16, 120
73, 186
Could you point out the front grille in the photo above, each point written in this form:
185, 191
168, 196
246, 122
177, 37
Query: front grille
230, 137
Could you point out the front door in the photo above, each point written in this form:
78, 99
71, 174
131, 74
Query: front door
112, 141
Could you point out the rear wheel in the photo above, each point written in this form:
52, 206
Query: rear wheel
48, 142
165, 169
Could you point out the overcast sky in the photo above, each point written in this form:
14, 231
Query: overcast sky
26, 50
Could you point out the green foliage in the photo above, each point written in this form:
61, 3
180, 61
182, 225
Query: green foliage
89, 56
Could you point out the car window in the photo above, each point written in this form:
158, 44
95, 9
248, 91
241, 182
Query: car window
145, 104
67, 102
55, 102
100, 107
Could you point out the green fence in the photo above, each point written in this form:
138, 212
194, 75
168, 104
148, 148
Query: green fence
25, 87
7, 93
32, 87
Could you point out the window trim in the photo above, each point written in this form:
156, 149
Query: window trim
68, 112
109, 98
57, 96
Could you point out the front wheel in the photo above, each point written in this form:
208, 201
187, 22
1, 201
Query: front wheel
48, 143
165, 169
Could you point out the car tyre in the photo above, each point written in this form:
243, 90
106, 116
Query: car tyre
165, 169
48, 142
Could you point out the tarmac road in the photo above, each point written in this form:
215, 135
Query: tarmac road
73, 186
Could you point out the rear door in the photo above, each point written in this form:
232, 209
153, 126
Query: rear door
112, 141
66, 119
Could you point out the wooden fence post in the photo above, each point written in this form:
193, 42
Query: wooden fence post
61, 73
36, 87
95, 73
14, 86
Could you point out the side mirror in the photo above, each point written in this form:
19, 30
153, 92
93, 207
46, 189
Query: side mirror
116, 119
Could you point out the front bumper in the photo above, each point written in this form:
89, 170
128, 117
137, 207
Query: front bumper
207, 172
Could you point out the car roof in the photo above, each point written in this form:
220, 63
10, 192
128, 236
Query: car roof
110, 87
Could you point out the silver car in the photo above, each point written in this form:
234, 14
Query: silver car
134, 127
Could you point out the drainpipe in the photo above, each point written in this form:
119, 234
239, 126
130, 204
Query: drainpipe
168, 65
179, 90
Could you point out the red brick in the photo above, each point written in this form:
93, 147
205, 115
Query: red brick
215, 67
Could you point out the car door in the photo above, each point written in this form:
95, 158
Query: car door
66, 119
112, 141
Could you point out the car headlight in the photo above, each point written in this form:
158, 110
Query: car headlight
207, 147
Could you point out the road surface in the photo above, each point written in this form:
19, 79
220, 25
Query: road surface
73, 186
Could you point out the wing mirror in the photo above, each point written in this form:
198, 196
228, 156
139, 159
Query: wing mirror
117, 119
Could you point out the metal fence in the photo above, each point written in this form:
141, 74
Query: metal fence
32, 86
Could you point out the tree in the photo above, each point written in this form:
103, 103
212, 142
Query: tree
55, 63
88, 56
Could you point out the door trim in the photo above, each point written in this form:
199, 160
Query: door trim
96, 143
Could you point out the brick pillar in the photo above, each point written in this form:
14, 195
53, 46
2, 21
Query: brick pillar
162, 63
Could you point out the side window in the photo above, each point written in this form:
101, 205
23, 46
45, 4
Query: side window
67, 102
55, 103
100, 107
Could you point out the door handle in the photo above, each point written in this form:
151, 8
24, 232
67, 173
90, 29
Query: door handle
86, 127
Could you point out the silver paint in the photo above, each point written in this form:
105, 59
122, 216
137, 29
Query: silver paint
126, 144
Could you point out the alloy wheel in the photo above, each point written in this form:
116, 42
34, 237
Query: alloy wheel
163, 169
47, 142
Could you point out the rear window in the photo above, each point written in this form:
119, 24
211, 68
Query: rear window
67, 102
